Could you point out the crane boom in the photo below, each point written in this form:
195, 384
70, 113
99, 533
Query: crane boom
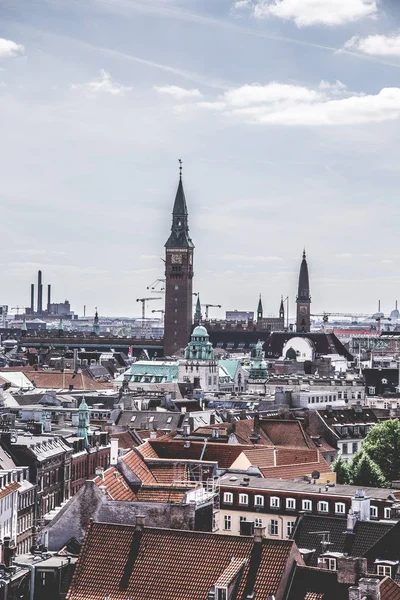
143, 301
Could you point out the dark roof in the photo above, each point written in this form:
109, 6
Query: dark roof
317, 584
151, 419
384, 381
324, 343
167, 564
366, 533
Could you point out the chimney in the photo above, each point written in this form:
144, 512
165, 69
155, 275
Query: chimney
114, 452
100, 472
40, 292
48, 297
350, 569
259, 534
140, 522
8, 552
370, 588
215, 432
361, 505
351, 520
354, 593
32, 298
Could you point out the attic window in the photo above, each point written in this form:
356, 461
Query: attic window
384, 570
221, 593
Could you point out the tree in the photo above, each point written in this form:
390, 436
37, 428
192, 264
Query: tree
382, 445
341, 468
366, 473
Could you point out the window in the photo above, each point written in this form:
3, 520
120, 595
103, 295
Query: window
356, 430
307, 505
290, 504
374, 512
340, 508
331, 563
323, 507
371, 390
289, 528
344, 449
227, 522
355, 447
345, 430
273, 527
242, 519
387, 512
258, 522
228, 497
385, 570
259, 500
222, 593
243, 499
275, 502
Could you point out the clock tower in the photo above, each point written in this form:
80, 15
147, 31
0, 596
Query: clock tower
178, 277
303, 300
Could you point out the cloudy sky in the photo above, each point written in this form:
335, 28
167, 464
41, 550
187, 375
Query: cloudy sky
286, 114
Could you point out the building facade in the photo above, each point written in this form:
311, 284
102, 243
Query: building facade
199, 367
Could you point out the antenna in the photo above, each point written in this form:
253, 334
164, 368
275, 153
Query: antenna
325, 539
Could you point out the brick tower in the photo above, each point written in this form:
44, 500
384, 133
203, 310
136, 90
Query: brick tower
178, 277
303, 300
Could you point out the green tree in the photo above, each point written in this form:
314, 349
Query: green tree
341, 468
382, 445
367, 473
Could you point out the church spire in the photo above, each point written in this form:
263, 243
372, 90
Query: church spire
260, 310
303, 300
180, 237
83, 421
198, 317
96, 324
282, 309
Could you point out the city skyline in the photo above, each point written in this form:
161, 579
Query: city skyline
286, 124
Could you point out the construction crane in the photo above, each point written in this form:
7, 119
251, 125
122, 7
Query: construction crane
17, 308
211, 306
143, 301
158, 286
158, 311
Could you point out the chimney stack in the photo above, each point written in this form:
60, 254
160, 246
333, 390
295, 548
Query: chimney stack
32, 298
350, 569
370, 588
40, 293
48, 297
140, 521
259, 534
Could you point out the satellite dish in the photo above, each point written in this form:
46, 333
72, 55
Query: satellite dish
315, 475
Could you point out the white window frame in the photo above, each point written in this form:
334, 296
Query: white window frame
340, 508
331, 563
244, 499
258, 522
323, 507
385, 570
387, 512
289, 528
275, 502
290, 501
274, 525
258, 500
227, 520
228, 497
373, 512
306, 505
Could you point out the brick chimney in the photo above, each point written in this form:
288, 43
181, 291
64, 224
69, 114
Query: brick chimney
354, 593
259, 534
370, 587
140, 522
350, 569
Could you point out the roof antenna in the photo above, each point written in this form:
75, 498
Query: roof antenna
180, 168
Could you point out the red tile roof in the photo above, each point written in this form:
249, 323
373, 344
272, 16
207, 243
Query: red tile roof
261, 457
126, 440
297, 470
147, 450
389, 589
169, 472
286, 433
159, 493
224, 454
115, 486
167, 564
53, 379
8, 489
138, 466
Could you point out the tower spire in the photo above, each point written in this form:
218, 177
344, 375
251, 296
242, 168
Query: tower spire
260, 310
198, 317
303, 299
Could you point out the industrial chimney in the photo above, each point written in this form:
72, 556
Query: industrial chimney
32, 298
40, 293
48, 298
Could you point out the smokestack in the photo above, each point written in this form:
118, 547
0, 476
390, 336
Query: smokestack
32, 298
379, 306
40, 293
48, 298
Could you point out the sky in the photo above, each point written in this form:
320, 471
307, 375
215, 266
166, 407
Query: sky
285, 113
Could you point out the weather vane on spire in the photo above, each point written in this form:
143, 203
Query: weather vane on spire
180, 168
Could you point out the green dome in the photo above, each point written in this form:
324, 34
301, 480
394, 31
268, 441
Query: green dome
200, 331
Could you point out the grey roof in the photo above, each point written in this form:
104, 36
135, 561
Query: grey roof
43, 447
308, 488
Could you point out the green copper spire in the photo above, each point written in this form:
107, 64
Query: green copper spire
83, 422
260, 310
258, 366
199, 347
96, 325
61, 325
180, 237
198, 317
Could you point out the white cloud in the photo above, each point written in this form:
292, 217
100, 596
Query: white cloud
178, 93
387, 261
103, 84
376, 45
294, 105
9, 49
316, 12
344, 255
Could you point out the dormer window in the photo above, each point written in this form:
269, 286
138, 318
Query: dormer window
221, 593
385, 568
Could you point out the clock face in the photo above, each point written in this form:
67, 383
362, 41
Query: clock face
303, 310
176, 259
